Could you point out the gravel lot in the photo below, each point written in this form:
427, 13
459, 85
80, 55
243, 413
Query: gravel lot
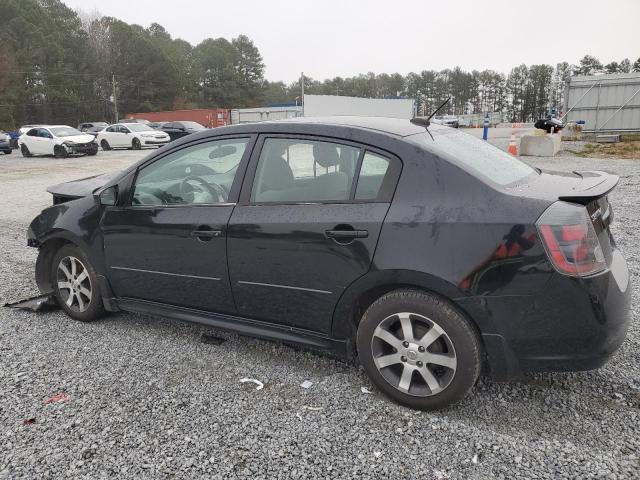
148, 399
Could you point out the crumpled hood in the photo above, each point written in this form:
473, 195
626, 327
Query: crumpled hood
84, 138
83, 186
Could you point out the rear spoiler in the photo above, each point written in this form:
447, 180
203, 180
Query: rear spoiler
595, 184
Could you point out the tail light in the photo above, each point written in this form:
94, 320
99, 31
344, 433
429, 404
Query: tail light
570, 240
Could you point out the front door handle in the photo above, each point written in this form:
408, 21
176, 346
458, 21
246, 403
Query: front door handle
206, 235
347, 234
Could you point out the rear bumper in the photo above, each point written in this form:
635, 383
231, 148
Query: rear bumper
5, 146
573, 324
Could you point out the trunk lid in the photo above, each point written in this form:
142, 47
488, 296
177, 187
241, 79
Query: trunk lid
576, 187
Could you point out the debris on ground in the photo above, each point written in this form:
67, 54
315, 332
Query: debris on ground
29, 421
259, 384
59, 397
41, 303
474, 460
312, 409
212, 339
306, 384
365, 390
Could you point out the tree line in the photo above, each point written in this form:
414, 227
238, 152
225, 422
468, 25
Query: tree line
62, 66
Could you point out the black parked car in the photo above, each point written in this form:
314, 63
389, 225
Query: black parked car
180, 129
429, 254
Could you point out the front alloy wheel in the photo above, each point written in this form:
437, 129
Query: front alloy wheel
74, 284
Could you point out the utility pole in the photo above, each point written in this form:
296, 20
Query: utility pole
115, 98
302, 88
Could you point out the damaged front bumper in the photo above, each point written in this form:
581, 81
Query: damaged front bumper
81, 148
41, 303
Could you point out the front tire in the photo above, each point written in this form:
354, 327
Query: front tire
418, 349
136, 145
105, 145
60, 152
75, 284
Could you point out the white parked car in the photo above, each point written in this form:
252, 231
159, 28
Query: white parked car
448, 120
130, 135
58, 140
25, 128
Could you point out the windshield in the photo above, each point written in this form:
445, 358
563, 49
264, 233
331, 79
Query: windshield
192, 125
139, 127
475, 155
65, 131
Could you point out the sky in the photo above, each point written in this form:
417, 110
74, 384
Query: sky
328, 38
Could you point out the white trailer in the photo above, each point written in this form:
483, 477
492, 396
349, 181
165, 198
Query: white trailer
251, 115
331, 105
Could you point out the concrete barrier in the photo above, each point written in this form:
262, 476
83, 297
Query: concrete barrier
540, 145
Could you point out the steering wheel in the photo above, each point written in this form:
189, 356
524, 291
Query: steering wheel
213, 189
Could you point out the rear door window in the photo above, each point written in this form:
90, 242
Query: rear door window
304, 171
372, 174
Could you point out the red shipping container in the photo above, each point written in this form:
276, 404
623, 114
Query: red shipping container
208, 117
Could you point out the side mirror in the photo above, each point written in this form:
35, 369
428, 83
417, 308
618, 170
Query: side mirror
109, 196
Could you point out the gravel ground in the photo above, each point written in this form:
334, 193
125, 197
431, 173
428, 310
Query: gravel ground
146, 398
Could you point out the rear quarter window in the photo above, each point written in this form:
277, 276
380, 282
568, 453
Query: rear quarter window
474, 155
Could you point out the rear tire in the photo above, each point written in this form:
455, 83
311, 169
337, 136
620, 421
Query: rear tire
75, 284
136, 145
105, 145
418, 349
25, 151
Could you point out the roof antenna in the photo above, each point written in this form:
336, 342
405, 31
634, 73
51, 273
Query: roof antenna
426, 121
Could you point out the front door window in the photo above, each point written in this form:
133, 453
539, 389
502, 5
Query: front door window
200, 174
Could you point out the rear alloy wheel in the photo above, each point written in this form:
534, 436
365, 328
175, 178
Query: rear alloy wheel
25, 151
418, 349
60, 152
136, 144
105, 145
75, 284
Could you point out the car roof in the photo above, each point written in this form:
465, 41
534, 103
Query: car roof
392, 126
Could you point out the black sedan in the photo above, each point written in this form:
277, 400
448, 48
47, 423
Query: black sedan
428, 254
177, 130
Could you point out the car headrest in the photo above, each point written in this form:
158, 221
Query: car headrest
326, 154
276, 173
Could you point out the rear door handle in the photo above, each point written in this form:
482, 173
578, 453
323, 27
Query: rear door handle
347, 233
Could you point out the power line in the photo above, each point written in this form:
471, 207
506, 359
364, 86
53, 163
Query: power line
82, 102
